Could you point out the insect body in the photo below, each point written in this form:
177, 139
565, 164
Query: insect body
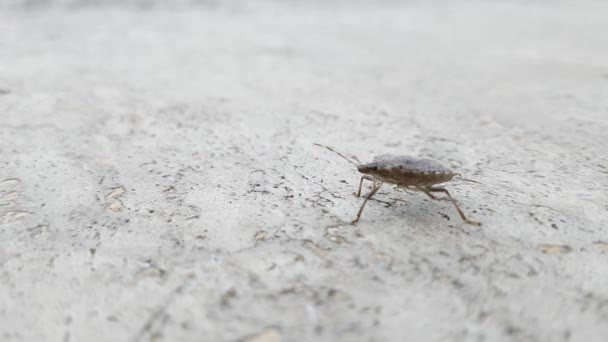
406, 172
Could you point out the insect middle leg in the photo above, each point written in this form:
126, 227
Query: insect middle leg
464, 218
431, 196
366, 177
371, 193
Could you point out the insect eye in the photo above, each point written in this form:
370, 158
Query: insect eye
366, 168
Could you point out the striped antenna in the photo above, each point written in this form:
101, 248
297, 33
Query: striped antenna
357, 164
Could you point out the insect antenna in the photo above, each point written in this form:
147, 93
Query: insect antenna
358, 163
466, 179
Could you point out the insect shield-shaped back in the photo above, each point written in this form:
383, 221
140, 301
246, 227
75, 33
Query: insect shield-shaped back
406, 170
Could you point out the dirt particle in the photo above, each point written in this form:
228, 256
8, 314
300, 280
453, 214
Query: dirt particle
383, 257
339, 239
311, 246
337, 295
115, 206
331, 235
602, 245
227, 297
13, 216
554, 249
38, 230
11, 196
268, 335
116, 192
260, 235
152, 271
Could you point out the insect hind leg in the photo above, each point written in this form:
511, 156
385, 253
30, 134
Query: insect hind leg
431, 196
460, 212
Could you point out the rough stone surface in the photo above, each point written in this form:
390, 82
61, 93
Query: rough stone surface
158, 179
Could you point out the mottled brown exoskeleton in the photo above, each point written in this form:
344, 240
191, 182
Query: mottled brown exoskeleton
406, 172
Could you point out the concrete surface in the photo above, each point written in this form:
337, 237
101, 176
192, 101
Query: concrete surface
158, 180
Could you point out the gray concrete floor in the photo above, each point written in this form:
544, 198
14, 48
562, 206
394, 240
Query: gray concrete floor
158, 179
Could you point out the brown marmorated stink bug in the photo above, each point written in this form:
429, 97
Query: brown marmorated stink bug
406, 172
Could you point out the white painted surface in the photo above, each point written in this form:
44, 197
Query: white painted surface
158, 179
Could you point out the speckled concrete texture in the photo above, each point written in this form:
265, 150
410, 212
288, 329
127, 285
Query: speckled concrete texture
159, 182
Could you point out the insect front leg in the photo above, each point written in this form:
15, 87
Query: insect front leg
464, 218
366, 177
371, 193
